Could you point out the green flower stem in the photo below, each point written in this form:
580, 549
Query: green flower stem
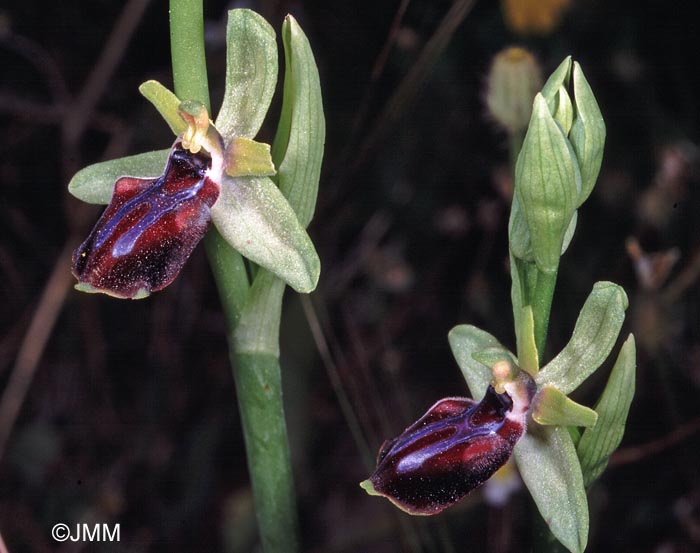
541, 308
259, 386
230, 274
253, 317
187, 51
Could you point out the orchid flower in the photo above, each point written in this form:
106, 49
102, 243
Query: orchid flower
215, 172
452, 449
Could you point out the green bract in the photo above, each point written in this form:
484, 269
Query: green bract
263, 219
527, 349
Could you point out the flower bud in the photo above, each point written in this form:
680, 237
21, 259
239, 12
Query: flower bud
455, 447
513, 81
557, 167
547, 185
149, 229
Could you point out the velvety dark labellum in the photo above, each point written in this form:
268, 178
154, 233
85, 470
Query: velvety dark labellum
456, 446
149, 229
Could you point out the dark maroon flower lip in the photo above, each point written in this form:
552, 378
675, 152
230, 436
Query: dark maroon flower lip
452, 449
149, 229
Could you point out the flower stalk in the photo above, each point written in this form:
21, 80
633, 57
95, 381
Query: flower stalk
253, 315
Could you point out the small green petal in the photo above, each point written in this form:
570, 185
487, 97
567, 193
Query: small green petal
551, 407
166, 103
247, 158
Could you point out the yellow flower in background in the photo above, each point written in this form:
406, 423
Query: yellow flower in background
533, 16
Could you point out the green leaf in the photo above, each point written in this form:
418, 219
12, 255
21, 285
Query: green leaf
596, 331
95, 183
298, 146
256, 219
587, 133
547, 182
465, 341
166, 103
548, 464
251, 74
527, 349
597, 444
560, 77
246, 158
551, 407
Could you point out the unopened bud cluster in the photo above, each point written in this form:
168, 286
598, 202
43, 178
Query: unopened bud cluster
557, 167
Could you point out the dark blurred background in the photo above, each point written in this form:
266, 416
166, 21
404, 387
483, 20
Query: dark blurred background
118, 411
